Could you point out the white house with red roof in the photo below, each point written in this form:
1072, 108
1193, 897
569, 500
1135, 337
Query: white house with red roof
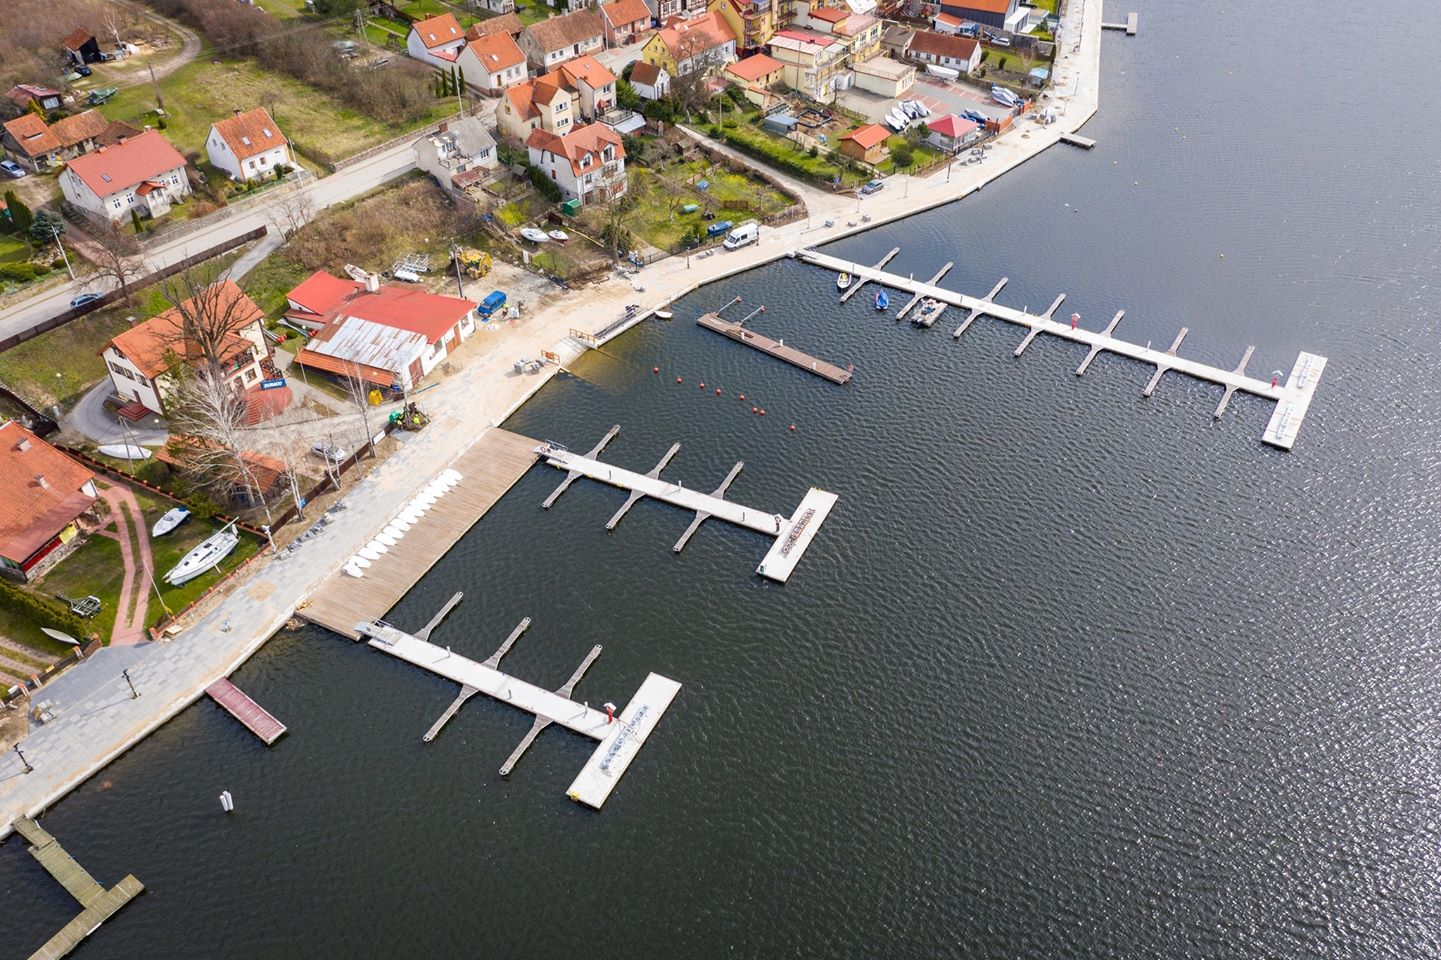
436, 40
248, 146
588, 164
143, 173
952, 133
624, 21
389, 336
492, 63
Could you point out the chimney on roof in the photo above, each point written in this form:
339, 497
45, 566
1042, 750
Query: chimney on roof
41, 482
23, 445
235, 111
444, 126
372, 283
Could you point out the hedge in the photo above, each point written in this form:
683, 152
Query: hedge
786, 157
46, 612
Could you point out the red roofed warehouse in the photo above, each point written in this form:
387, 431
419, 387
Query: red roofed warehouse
144, 173
436, 41
866, 143
587, 164
42, 494
384, 335
248, 146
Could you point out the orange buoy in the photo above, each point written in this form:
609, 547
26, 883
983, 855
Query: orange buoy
755, 409
743, 396
717, 391
679, 380
702, 386
763, 413
793, 428
655, 369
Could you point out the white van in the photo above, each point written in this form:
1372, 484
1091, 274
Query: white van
407, 276
748, 232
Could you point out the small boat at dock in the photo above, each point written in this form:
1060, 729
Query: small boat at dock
883, 301
206, 556
172, 519
843, 282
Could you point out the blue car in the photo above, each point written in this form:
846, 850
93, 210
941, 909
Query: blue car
83, 299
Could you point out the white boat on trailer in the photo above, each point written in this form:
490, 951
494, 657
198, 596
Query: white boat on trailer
206, 556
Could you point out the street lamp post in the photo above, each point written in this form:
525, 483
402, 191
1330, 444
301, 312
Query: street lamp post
133, 692
55, 232
23, 761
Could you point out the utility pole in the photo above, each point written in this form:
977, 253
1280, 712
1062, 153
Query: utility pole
126, 675
55, 232
155, 85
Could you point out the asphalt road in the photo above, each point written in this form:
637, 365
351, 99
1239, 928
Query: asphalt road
325, 192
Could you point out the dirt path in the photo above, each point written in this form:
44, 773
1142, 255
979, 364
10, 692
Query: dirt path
191, 45
129, 530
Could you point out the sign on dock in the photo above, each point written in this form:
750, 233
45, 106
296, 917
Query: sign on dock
628, 734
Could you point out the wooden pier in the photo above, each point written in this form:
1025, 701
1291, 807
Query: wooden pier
251, 715
1076, 140
786, 531
97, 903
1293, 398
621, 737
775, 348
857, 281
486, 471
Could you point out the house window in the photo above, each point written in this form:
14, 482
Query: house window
116, 203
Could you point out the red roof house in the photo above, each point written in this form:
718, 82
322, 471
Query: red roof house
42, 494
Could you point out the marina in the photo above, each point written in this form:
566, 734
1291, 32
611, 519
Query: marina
98, 904
251, 715
737, 331
1129, 25
620, 736
1293, 397
792, 535
858, 279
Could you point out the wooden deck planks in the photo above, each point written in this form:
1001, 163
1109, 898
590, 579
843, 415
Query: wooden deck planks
85, 923
251, 715
488, 469
775, 348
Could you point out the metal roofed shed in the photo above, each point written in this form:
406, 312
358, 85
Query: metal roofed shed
782, 123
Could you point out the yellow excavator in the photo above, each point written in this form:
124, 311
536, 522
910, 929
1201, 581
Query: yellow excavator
474, 263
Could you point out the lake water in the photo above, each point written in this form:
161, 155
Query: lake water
1067, 673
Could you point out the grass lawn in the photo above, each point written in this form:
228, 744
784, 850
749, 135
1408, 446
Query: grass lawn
660, 194
786, 155
13, 248
25, 631
534, 12
432, 8
284, 9
204, 91
923, 156
168, 550
94, 570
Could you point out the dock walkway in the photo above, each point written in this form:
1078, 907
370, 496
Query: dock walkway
251, 715
1292, 398
98, 903
487, 470
776, 348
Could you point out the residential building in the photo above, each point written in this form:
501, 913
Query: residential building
1005, 14
860, 32
81, 47
624, 21
387, 336
867, 143
24, 94
142, 360
458, 154
556, 102
37, 145
144, 173
492, 63
507, 23
43, 495
946, 23
661, 11
945, 50
551, 42
952, 134
502, 7
752, 21
587, 164
683, 47
884, 76
812, 62
265, 478
436, 40
650, 81
756, 75
248, 146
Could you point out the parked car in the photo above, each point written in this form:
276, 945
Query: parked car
328, 452
83, 70
12, 169
875, 186
83, 299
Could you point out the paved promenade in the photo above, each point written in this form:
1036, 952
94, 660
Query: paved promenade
97, 718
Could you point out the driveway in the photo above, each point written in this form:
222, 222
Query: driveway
940, 98
92, 421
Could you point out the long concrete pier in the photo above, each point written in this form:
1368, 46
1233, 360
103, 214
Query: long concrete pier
775, 348
621, 737
783, 556
1293, 398
98, 903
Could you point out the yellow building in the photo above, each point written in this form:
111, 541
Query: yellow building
752, 21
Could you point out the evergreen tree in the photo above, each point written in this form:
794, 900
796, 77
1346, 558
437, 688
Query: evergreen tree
20, 216
45, 227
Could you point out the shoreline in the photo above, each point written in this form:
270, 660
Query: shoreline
96, 724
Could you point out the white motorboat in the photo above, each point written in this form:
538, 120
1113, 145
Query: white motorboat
664, 314
534, 235
206, 556
559, 236
172, 519
843, 282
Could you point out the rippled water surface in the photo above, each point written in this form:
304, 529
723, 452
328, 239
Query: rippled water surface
1067, 673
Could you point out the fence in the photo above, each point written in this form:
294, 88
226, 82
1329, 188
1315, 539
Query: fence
75, 313
175, 229
379, 148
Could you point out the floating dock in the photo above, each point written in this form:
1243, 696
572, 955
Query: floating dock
1293, 398
775, 348
98, 903
486, 471
1076, 140
858, 281
1129, 26
251, 715
620, 737
795, 532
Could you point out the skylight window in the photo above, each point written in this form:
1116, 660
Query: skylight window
105, 177
245, 140
268, 133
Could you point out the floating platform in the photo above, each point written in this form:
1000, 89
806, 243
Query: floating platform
487, 470
251, 715
1293, 399
98, 903
620, 737
1076, 140
775, 348
704, 505
1129, 26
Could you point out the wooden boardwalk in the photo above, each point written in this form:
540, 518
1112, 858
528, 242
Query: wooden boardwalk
1293, 397
775, 348
251, 715
487, 470
98, 903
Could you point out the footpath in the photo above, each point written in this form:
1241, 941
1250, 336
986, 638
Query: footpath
97, 719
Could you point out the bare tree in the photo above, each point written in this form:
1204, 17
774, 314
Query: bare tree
359, 392
115, 257
206, 413
695, 62
211, 313
290, 211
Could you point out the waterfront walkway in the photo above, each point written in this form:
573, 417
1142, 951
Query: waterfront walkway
96, 718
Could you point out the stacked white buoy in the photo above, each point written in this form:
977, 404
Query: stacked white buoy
404, 519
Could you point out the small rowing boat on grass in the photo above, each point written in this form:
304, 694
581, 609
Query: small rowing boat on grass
172, 519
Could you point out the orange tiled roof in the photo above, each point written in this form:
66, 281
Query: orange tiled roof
625, 12
40, 492
250, 133
148, 345
439, 30
33, 135
127, 164
868, 136
578, 144
495, 52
